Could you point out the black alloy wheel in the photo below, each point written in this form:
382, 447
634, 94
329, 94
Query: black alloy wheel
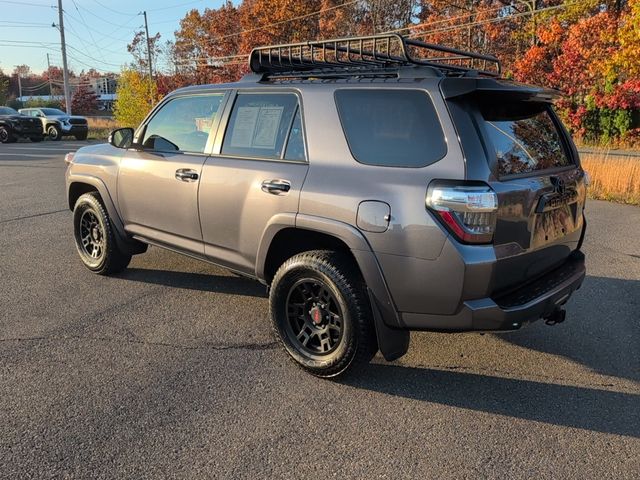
320, 313
314, 317
95, 239
6, 136
91, 235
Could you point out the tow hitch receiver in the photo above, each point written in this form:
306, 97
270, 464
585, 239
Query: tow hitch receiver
557, 316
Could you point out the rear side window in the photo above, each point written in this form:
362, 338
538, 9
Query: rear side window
260, 124
391, 128
525, 137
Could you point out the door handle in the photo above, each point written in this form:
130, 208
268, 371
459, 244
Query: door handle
186, 175
276, 187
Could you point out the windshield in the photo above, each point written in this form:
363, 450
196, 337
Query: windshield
525, 137
52, 111
7, 111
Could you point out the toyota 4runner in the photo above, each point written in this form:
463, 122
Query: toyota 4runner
377, 185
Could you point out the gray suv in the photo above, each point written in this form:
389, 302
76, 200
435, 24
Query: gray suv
376, 185
57, 124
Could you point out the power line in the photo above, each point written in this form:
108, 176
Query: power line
87, 29
492, 20
281, 22
26, 4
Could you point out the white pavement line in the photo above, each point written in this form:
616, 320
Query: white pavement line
30, 155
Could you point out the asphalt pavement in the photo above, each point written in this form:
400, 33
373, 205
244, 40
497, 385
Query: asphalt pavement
169, 369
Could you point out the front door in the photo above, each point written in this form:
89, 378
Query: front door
257, 174
158, 184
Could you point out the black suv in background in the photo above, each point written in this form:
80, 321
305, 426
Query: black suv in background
13, 125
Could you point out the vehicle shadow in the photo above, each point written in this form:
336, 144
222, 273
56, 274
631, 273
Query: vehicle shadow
601, 332
234, 285
578, 407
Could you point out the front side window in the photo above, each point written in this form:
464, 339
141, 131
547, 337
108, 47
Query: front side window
391, 128
183, 124
260, 124
525, 137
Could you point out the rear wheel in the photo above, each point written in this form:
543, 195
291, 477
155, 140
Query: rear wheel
81, 136
6, 136
321, 314
95, 238
54, 133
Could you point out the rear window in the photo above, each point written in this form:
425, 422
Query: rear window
525, 137
391, 128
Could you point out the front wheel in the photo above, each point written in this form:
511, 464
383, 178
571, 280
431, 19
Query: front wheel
54, 133
95, 238
320, 312
6, 136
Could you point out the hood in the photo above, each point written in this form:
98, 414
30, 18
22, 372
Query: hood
17, 118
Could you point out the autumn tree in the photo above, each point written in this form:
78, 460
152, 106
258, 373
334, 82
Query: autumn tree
84, 101
138, 49
136, 96
208, 45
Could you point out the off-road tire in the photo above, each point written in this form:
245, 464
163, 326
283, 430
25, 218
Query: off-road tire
6, 135
110, 259
336, 271
54, 133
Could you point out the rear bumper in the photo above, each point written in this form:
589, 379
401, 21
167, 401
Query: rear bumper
509, 311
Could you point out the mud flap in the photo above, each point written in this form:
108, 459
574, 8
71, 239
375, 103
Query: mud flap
392, 343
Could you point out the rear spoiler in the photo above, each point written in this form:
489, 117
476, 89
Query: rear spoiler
453, 87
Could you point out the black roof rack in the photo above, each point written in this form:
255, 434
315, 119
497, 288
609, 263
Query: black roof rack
376, 55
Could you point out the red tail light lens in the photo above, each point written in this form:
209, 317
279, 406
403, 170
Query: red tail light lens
468, 211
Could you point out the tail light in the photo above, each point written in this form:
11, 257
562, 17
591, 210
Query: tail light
468, 211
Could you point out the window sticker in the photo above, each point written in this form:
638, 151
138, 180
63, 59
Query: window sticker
244, 126
267, 127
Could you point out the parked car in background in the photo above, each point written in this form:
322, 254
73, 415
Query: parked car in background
57, 124
373, 192
14, 125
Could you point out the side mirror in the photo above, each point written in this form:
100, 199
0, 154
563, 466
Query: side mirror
121, 138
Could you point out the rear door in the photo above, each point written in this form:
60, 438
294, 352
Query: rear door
522, 151
158, 184
256, 172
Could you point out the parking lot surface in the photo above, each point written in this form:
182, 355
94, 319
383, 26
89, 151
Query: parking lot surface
170, 369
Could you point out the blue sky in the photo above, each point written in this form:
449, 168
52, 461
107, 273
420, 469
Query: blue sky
96, 35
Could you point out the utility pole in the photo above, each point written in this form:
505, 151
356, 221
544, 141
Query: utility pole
49, 77
146, 29
65, 70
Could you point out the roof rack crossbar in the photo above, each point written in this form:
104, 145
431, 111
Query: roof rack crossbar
349, 56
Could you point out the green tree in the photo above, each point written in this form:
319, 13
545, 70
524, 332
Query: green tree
136, 95
4, 88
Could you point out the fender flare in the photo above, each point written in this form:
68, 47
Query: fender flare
393, 338
125, 243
